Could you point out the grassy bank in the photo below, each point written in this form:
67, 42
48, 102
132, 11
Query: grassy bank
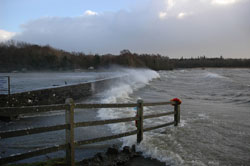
52, 162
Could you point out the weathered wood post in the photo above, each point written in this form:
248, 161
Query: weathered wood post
69, 119
140, 120
8, 85
177, 115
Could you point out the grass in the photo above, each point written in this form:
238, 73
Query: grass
52, 162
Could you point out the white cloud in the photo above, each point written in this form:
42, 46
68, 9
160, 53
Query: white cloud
162, 15
181, 15
175, 8
211, 30
224, 2
170, 4
5, 35
90, 13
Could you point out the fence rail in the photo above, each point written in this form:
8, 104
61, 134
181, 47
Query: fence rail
13, 111
69, 126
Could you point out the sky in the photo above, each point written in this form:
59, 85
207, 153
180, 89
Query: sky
174, 28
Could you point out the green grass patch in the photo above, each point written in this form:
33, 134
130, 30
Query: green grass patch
52, 162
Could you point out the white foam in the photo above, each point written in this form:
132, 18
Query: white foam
151, 146
203, 116
183, 71
213, 75
136, 78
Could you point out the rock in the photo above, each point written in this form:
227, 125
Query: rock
113, 157
112, 151
123, 158
100, 156
126, 149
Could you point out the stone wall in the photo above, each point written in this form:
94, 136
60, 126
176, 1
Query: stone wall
56, 95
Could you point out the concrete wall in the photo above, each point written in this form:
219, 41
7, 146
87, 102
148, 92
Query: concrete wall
56, 95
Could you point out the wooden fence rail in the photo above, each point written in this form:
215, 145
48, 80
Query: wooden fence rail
69, 126
13, 111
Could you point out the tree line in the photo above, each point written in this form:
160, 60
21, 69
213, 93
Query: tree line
23, 56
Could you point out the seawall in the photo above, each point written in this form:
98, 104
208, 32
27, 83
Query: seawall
57, 95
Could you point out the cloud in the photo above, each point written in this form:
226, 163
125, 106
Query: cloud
155, 28
181, 15
5, 35
224, 2
90, 13
170, 4
162, 15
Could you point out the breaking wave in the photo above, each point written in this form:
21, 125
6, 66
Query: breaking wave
213, 75
121, 93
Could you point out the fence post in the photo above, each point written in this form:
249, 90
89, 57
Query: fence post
8, 85
176, 114
140, 120
69, 119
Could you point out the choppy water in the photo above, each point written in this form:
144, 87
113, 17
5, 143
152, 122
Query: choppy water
215, 117
21, 82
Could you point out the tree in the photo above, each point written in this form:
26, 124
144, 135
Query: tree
125, 52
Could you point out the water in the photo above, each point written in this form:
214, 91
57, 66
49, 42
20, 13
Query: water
21, 82
215, 117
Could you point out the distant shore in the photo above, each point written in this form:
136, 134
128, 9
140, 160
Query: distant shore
20, 56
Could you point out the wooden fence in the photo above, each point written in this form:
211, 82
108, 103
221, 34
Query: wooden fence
70, 144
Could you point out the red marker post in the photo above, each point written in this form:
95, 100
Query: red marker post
176, 104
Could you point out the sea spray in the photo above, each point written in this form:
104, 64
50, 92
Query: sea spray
215, 111
120, 93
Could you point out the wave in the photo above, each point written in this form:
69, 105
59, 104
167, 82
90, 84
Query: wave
119, 93
135, 78
122, 92
213, 75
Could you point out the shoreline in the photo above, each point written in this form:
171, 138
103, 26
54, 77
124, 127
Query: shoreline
128, 156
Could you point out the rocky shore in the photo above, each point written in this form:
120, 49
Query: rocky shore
125, 157
128, 156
